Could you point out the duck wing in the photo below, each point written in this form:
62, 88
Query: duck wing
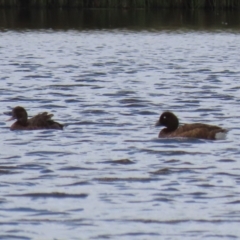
44, 121
189, 127
198, 130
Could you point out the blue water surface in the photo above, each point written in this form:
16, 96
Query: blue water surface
107, 175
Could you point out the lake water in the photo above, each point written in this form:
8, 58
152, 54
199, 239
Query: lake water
107, 175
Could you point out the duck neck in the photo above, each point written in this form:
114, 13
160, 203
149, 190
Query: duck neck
173, 125
23, 121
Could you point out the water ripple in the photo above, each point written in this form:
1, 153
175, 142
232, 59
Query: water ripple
107, 173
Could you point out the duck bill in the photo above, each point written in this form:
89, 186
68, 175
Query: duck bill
9, 114
10, 119
157, 124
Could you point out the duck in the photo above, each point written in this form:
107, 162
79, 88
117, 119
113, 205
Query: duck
194, 130
40, 121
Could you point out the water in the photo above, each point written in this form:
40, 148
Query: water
107, 175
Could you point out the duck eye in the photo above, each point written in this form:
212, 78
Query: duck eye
164, 117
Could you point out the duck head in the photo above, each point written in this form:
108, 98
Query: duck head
169, 120
18, 113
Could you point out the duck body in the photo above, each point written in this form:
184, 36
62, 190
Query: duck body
40, 121
195, 130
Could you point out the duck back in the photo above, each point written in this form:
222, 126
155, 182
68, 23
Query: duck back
195, 130
44, 121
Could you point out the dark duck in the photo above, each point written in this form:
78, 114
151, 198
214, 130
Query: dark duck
40, 121
195, 130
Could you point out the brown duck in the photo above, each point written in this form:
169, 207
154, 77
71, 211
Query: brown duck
40, 121
195, 130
